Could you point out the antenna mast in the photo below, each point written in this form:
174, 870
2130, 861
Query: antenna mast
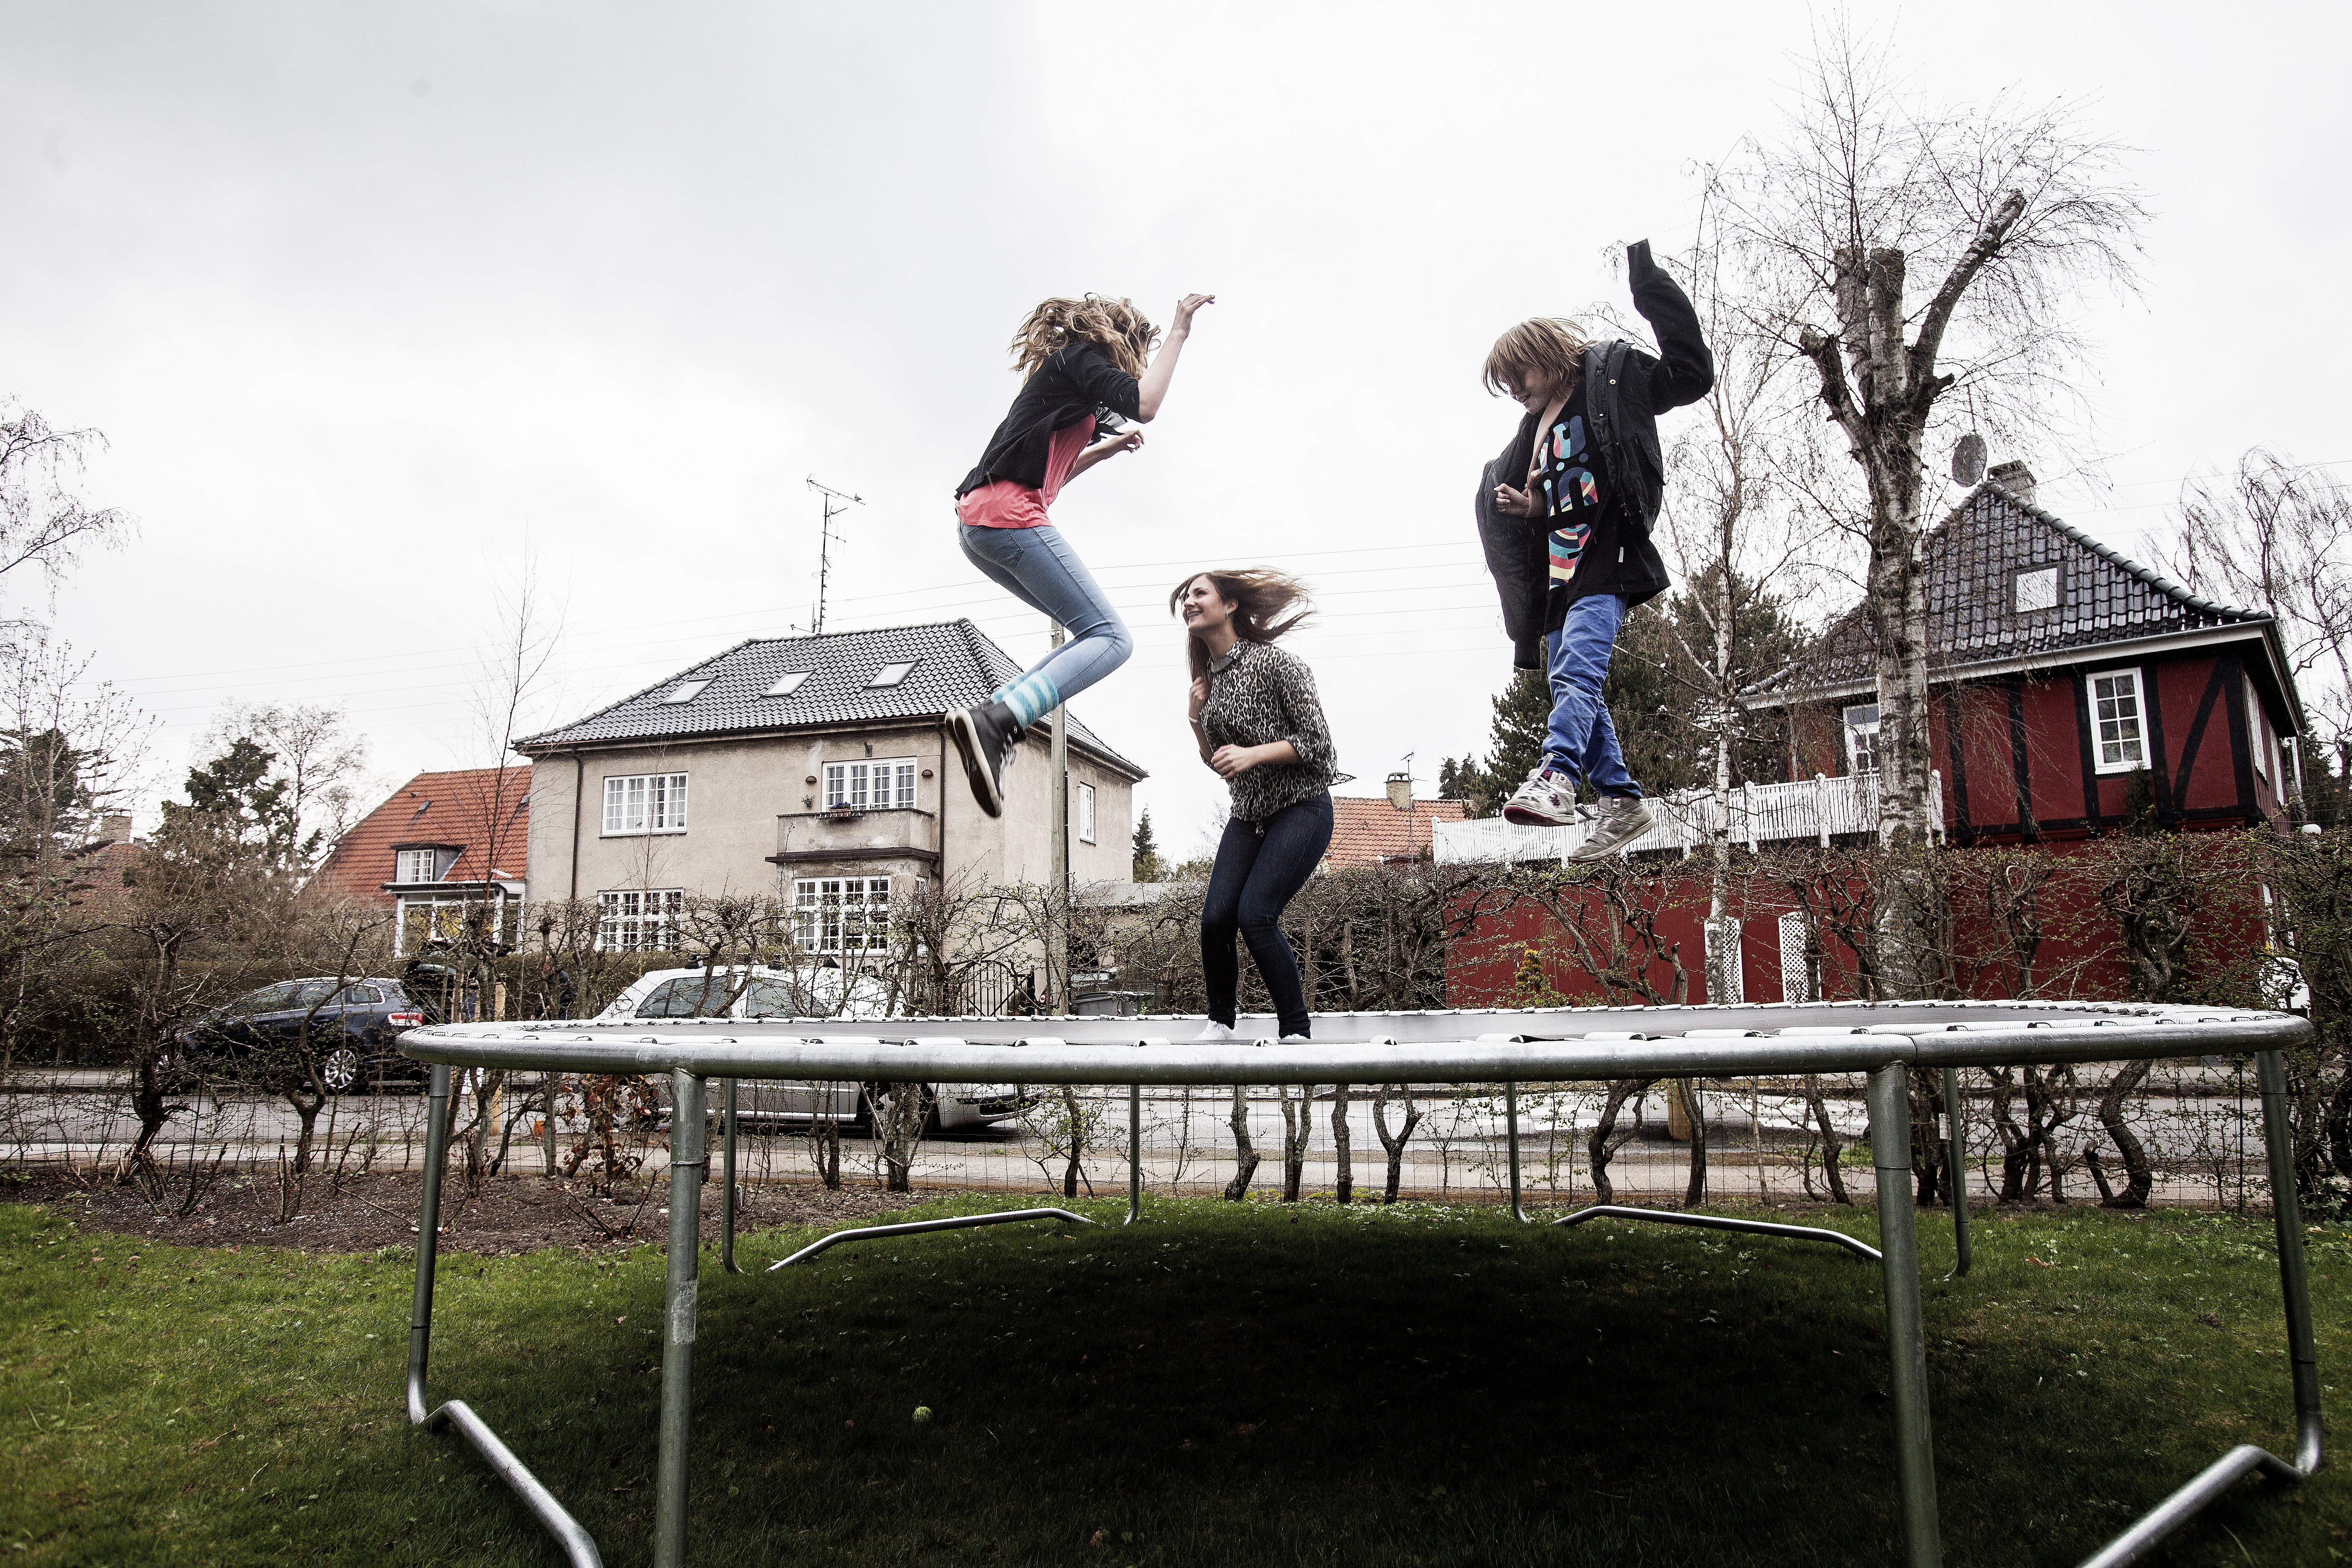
835, 503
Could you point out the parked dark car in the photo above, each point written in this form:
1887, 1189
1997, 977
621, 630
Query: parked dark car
353, 1025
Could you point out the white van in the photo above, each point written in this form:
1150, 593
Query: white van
819, 996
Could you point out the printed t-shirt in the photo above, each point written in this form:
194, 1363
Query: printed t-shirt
1007, 504
1572, 488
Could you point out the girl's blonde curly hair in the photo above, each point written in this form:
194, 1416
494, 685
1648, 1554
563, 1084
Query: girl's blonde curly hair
1114, 326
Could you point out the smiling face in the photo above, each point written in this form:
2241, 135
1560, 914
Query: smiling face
1203, 609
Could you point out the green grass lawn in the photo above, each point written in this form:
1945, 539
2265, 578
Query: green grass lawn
1221, 1384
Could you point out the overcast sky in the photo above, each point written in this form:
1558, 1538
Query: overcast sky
377, 303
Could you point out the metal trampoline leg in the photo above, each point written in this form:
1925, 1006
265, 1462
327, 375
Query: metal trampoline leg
1134, 1153
687, 1156
1898, 1243
429, 1239
1956, 1162
726, 1172
1511, 1121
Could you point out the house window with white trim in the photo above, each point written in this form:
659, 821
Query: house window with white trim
2036, 589
442, 918
416, 865
645, 803
1862, 737
1086, 814
638, 920
841, 914
887, 783
2117, 735
2258, 735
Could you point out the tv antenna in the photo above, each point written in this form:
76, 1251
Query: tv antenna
835, 503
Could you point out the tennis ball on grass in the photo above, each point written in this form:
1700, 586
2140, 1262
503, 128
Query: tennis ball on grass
922, 1413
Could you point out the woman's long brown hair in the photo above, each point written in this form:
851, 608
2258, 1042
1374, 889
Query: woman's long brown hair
1266, 603
1114, 326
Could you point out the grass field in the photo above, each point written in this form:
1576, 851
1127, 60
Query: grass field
1222, 1384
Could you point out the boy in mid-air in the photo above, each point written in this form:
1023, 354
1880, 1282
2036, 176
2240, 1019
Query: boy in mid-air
1565, 516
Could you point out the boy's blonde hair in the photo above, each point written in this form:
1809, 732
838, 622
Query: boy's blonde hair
1548, 350
1114, 326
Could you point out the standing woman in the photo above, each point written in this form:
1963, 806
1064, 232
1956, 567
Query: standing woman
1259, 724
1083, 362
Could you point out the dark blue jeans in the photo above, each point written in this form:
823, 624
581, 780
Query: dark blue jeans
1260, 868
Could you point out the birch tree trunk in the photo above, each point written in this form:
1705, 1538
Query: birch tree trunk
1245, 1154
1343, 1186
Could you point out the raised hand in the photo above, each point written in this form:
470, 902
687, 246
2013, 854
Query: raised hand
1184, 310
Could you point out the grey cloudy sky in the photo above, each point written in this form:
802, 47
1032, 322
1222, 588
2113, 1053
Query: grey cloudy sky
375, 302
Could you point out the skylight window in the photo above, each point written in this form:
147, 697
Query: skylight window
891, 674
786, 683
686, 692
2037, 590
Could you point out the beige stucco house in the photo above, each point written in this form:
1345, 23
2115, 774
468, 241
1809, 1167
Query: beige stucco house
815, 768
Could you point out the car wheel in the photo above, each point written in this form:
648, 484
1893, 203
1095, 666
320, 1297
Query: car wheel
341, 1070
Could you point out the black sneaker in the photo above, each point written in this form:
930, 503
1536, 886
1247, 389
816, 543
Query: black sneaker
985, 737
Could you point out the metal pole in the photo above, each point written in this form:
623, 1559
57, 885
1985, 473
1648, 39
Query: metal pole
1511, 1119
687, 1160
726, 1172
2269, 1074
428, 1227
547, 1084
1898, 1243
1134, 1153
1958, 1161
1057, 954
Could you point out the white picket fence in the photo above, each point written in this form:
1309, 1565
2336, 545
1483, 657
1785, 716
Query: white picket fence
1814, 808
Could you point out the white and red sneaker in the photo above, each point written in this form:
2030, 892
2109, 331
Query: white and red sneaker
1547, 800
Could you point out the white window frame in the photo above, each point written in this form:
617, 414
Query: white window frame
1854, 730
876, 784
841, 914
406, 862
686, 692
786, 684
2057, 574
893, 673
638, 804
2123, 762
2258, 735
638, 920
416, 920
1085, 813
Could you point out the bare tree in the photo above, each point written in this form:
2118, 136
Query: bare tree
314, 750
2008, 212
45, 523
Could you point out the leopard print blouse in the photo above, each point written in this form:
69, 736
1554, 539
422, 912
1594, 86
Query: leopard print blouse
1259, 694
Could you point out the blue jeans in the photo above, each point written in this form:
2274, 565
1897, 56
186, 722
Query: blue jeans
1581, 741
1260, 868
1037, 568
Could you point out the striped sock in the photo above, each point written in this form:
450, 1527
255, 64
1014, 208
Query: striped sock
1029, 697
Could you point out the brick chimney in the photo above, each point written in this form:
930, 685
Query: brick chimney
2013, 477
114, 829
1401, 791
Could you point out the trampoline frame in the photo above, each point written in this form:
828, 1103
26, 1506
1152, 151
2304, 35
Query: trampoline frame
1570, 1044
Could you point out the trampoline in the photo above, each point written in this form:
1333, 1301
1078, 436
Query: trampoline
1570, 1044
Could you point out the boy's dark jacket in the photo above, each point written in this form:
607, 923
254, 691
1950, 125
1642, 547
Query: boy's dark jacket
1625, 390
1067, 385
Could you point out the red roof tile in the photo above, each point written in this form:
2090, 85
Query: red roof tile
482, 813
1367, 832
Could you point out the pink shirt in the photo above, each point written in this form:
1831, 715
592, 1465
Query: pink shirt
1004, 504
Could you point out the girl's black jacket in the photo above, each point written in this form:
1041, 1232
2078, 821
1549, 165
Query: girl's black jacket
1625, 390
1067, 385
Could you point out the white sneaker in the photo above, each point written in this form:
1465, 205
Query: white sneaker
1214, 1033
1294, 1040
1547, 800
1623, 819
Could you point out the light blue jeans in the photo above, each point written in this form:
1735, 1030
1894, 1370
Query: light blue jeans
1580, 740
1038, 568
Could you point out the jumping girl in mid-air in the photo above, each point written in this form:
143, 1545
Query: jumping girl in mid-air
1085, 363
1259, 724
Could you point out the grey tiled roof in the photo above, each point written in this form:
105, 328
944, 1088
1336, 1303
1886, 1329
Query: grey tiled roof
1971, 561
955, 666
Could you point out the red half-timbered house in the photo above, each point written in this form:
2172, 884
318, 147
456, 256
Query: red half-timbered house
2064, 678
